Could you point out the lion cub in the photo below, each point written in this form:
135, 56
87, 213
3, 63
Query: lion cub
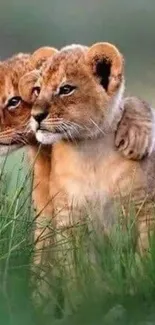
14, 126
78, 110
15, 114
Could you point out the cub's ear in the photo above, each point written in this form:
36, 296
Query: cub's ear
41, 55
26, 84
107, 65
30, 79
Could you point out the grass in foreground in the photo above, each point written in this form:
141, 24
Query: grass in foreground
108, 283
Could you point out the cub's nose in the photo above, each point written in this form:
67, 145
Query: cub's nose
40, 116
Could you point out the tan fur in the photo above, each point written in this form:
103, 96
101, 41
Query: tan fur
87, 170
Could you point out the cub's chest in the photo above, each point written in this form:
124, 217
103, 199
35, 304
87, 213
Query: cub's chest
90, 174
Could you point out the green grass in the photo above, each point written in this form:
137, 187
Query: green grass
106, 283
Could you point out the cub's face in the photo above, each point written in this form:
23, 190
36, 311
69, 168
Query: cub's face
79, 93
14, 110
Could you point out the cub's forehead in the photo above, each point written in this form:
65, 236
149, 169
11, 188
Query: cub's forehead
7, 89
75, 47
3, 79
8, 83
11, 70
14, 67
67, 61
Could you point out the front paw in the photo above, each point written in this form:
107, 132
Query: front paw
132, 142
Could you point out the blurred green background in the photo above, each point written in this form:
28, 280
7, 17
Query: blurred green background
26, 25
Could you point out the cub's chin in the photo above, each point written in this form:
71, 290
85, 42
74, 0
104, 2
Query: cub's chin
7, 149
46, 137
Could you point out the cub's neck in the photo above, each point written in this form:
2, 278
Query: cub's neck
95, 148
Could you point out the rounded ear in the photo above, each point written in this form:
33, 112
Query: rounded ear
41, 55
107, 64
26, 83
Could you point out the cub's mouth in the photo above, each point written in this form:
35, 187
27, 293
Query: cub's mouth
48, 132
48, 137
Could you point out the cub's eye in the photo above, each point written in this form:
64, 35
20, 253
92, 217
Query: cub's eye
14, 102
36, 91
66, 90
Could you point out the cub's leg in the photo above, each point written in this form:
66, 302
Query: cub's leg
135, 133
67, 219
43, 234
40, 159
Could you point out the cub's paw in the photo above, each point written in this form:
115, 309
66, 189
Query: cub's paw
134, 136
132, 142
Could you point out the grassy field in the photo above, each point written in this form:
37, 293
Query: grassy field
106, 283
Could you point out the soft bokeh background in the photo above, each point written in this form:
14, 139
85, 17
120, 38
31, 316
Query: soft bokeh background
28, 24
